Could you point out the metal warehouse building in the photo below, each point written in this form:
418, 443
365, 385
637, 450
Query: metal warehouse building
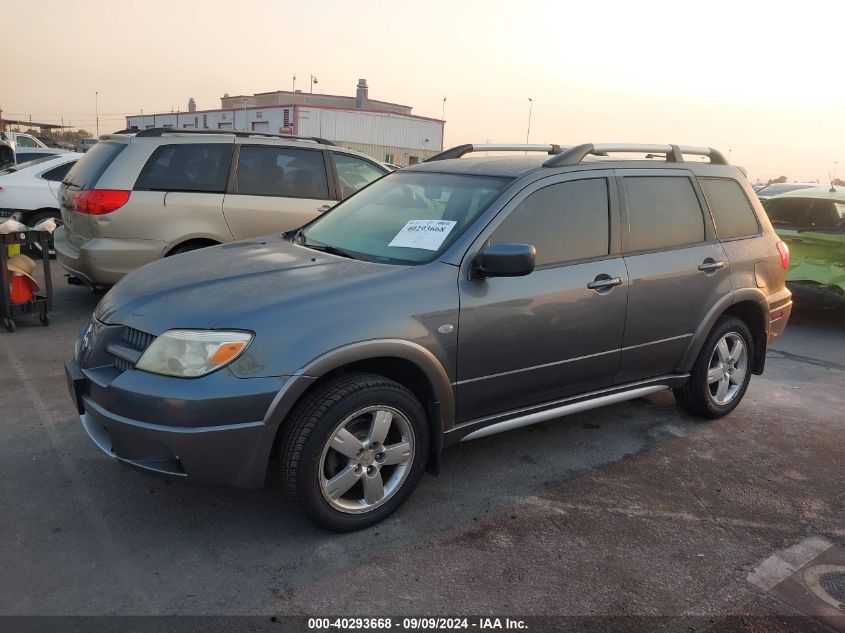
386, 131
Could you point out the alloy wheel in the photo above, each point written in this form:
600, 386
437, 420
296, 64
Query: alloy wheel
727, 369
366, 459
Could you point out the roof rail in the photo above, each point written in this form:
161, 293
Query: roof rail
161, 131
674, 153
461, 150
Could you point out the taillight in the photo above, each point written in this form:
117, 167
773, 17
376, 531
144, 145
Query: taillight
99, 201
783, 249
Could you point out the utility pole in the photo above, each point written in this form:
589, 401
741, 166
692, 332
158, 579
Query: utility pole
97, 111
443, 124
528, 133
2, 125
313, 81
293, 87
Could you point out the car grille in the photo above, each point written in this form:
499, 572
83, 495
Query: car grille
138, 341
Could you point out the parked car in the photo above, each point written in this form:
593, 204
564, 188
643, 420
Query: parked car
21, 140
775, 189
85, 144
812, 223
7, 154
29, 191
134, 199
447, 301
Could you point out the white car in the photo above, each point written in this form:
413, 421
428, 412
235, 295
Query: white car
29, 191
20, 140
26, 154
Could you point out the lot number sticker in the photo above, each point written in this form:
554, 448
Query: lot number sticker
427, 234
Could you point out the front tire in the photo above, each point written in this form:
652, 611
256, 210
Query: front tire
354, 450
721, 373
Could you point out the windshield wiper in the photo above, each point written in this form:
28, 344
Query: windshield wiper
299, 238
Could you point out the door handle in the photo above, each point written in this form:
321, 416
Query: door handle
709, 265
604, 282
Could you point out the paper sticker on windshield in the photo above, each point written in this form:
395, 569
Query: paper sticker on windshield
427, 234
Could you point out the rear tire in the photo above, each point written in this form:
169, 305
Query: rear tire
354, 450
721, 373
187, 247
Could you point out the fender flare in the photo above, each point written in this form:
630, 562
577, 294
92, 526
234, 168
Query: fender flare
443, 411
754, 295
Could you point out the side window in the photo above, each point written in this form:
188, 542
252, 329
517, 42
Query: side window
663, 211
58, 173
565, 222
825, 216
354, 173
787, 213
202, 167
282, 171
732, 213
26, 141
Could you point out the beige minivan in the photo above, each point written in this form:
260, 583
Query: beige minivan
135, 198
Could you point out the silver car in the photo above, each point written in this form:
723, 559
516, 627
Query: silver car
136, 198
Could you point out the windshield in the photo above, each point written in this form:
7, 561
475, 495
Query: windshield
405, 217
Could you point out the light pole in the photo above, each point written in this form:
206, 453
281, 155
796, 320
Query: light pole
313, 81
293, 88
443, 124
97, 111
528, 132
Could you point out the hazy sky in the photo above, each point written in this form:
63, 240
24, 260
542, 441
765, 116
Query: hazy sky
763, 81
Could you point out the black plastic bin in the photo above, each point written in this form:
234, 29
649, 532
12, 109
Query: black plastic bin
42, 302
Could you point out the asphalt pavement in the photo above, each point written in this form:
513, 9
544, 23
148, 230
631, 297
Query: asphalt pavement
635, 509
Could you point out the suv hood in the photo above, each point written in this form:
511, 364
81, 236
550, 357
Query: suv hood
221, 286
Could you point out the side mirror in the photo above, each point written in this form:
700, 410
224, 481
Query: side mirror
505, 260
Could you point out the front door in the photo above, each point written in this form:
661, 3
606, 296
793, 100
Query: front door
276, 189
677, 269
529, 340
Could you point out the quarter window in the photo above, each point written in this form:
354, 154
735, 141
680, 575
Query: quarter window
354, 173
282, 171
202, 167
564, 222
663, 211
732, 213
58, 173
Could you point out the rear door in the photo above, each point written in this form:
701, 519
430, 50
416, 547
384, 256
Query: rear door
817, 243
275, 189
178, 194
677, 269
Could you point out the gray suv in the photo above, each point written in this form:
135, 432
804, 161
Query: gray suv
445, 302
138, 197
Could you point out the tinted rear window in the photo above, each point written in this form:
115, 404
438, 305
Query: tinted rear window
732, 213
200, 167
663, 211
90, 167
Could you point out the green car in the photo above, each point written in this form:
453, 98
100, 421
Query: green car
812, 223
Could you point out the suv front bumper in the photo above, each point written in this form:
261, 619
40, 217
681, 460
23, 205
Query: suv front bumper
231, 454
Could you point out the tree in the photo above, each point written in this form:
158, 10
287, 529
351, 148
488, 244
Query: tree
777, 180
838, 182
72, 138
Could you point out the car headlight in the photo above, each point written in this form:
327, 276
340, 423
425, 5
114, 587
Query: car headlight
192, 353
